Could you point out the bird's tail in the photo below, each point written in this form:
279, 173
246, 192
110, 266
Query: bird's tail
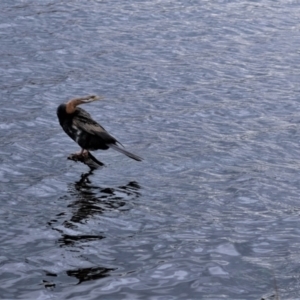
127, 153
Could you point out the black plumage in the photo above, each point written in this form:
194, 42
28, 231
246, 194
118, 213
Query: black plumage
86, 132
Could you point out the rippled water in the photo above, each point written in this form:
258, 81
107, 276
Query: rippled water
208, 93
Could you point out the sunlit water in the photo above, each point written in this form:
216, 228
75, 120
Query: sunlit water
208, 93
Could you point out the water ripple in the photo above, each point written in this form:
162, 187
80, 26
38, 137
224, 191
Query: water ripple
207, 93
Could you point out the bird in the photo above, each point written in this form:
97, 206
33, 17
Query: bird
85, 131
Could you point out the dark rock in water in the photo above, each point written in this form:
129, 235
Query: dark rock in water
88, 159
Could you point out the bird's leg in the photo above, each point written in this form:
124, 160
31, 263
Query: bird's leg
80, 153
84, 152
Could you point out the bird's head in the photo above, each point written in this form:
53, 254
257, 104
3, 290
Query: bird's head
70, 106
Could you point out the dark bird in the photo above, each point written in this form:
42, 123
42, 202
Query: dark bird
87, 133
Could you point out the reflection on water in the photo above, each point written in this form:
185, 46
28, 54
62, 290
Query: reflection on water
90, 201
87, 274
70, 240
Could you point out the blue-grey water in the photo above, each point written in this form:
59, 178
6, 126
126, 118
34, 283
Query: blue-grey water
207, 92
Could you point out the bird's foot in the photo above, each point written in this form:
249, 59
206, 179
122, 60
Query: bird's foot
75, 156
87, 158
79, 155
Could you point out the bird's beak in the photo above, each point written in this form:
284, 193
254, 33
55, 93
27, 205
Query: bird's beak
90, 98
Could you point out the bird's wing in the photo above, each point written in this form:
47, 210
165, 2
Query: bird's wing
83, 121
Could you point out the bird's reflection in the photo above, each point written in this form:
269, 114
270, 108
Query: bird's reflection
89, 201
87, 274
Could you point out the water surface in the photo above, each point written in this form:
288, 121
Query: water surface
205, 91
